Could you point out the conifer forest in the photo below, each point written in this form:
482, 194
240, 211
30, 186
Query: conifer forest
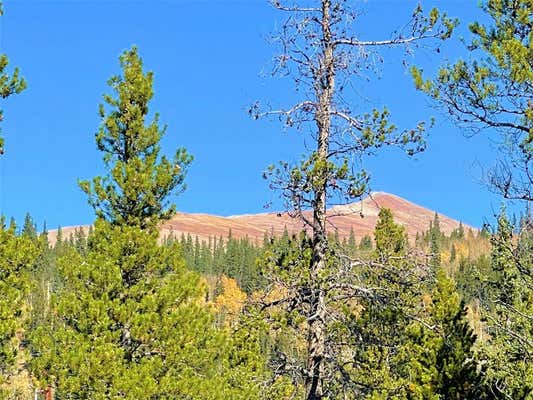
121, 309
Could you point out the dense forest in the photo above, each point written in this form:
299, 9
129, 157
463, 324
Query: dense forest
120, 312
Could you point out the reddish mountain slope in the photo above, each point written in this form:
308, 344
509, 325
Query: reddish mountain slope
360, 216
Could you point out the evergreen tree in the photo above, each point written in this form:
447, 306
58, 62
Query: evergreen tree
366, 243
218, 256
196, 256
133, 325
460, 231
29, 229
131, 319
231, 257
453, 254
440, 361
436, 225
351, 243
80, 240
492, 89
9, 83
17, 258
44, 281
434, 242
390, 238
380, 323
507, 310
59, 239
139, 180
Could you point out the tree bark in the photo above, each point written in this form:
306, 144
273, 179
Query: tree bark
317, 321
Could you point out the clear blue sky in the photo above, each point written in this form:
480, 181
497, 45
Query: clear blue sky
207, 56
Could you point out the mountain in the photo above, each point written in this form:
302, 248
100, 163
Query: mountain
360, 216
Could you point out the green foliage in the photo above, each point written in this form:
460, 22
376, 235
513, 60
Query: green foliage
131, 323
441, 363
9, 83
320, 47
507, 311
409, 339
472, 277
435, 257
453, 254
418, 344
493, 89
29, 229
117, 316
366, 243
458, 233
129, 319
17, 258
139, 180
234, 258
390, 238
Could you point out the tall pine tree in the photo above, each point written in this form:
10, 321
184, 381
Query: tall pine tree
139, 180
132, 321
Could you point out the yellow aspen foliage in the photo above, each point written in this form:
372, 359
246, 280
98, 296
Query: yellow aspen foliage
230, 301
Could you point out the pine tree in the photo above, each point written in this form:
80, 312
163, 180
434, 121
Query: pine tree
492, 89
59, 239
134, 325
10, 84
378, 327
352, 243
460, 231
453, 253
132, 321
507, 310
80, 240
439, 360
44, 281
28, 228
139, 180
434, 243
366, 243
17, 259
436, 225
390, 238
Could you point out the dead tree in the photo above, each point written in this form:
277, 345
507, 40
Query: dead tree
322, 54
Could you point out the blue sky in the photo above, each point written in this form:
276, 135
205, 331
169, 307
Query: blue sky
208, 58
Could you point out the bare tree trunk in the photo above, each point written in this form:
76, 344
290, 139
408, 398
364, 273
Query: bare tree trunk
324, 88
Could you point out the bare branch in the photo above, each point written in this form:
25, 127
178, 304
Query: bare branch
389, 42
278, 5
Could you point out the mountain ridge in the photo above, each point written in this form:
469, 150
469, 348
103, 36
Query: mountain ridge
360, 216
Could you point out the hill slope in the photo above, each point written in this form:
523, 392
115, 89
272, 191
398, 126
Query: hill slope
360, 216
